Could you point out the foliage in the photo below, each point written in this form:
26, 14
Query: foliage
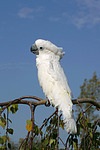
4, 120
47, 136
90, 89
90, 137
88, 119
52, 127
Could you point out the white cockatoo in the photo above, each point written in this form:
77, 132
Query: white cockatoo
53, 81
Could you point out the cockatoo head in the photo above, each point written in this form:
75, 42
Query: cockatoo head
41, 46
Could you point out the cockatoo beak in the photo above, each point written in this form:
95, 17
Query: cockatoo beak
34, 49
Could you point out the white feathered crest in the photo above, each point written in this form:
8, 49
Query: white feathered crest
51, 47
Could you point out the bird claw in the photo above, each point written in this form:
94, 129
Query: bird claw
47, 104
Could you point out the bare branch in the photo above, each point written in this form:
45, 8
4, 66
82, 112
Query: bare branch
43, 101
21, 101
86, 100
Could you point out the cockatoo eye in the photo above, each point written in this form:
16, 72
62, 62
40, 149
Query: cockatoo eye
41, 47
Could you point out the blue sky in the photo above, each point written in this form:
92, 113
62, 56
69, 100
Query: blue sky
73, 25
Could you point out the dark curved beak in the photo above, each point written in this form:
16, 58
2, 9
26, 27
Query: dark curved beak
34, 49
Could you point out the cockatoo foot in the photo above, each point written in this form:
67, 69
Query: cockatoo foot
47, 104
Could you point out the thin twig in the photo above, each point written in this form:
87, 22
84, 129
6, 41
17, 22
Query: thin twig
47, 120
32, 119
27, 140
83, 121
62, 141
57, 143
67, 141
95, 126
27, 137
7, 128
88, 108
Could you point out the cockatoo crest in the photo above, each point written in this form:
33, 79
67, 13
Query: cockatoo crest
47, 45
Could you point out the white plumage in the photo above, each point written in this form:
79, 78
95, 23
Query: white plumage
53, 81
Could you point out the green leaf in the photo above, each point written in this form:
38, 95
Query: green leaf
48, 128
4, 115
45, 121
2, 124
36, 130
3, 148
4, 138
9, 145
78, 129
61, 125
91, 135
3, 120
29, 122
54, 121
96, 135
9, 120
75, 140
45, 142
10, 131
75, 145
9, 109
54, 131
14, 108
0, 110
52, 141
13, 105
41, 133
1, 141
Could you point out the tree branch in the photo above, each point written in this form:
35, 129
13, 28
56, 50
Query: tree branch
43, 101
21, 101
86, 100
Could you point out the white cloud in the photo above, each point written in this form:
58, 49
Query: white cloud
29, 12
79, 21
89, 3
54, 19
88, 13
11, 66
25, 13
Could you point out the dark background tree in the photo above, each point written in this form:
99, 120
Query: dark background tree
88, 115
90, 89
